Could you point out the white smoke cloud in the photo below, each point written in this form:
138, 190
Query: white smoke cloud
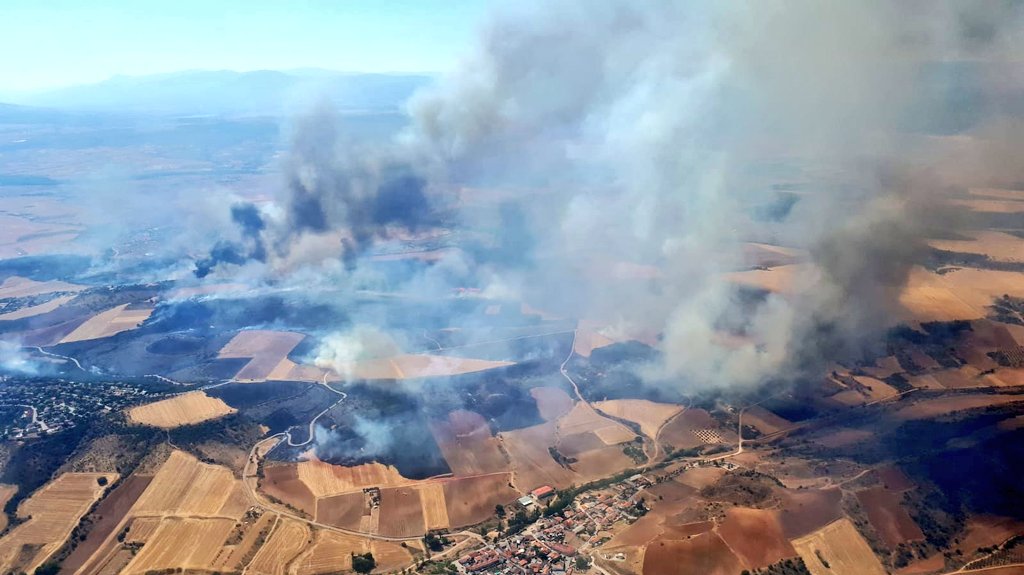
14, 360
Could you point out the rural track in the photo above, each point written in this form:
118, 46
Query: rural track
71, 359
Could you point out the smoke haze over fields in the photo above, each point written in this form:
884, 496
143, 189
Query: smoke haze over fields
656, 133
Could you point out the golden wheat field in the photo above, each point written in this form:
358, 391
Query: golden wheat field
286, 541
842, 547
186, 486
110, 322
50, 513
184, 409
178, 542
324, 479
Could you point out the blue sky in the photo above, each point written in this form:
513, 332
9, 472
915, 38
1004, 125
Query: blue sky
53, 43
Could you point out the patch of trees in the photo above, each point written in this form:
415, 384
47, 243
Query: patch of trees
363, 563
635, 451
794, 566
435, 541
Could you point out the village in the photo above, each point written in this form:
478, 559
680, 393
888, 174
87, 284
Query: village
48, 406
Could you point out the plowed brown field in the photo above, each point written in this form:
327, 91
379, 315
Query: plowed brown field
755, 536
472, 499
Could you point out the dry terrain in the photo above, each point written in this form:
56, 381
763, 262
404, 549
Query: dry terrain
110, 322
51, 513
15, 286
552, 402
35, 310
756, 536
184, 409
265, 350
401, 512
840, 546
466, 442
285, 543
765, 421
435, 510
472, 499
650, 416
187, 543
324, 479
6, 492
890, 520
412, 366
186, 486
532, 465
704, 554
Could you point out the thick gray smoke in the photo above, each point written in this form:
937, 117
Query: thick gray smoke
656, 135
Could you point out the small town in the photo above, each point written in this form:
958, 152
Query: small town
46, 406
554, 543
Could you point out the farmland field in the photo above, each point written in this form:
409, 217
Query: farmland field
704, 554
6, 492
15, 286
466, 442
282, 482
286, 541
50, 513
888, 517
110, 511
552, 402
765, 421
841, 546
472, 499
401, 512
650, 416
755, 536
184, 409
265, 350
435, 512
185, 486
181, 543
36, 309
532, 465
324, 479
411, 366
107, 323
345, 511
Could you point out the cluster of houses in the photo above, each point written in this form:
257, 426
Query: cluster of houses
53, 405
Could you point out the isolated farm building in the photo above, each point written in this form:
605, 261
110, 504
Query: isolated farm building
543, 492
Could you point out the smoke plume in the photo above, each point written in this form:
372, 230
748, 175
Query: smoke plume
663, 135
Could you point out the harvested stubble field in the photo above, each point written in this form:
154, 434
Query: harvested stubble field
182, 543
264, 348
552, 402
345, 511
111, 510
110, 322
960, 294
583, 418
324, 479
331, 552
998, 246
466, 442
51, 513
435, 510
890, 520
184, 409
186, 486
401, 512
765, 421
411, 366
532, 465
471, 500
286, 541
842, 547
15, 286
35, 310
6, 492
282, 482
650, 416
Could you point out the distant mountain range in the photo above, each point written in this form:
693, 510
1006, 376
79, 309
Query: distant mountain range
262, 93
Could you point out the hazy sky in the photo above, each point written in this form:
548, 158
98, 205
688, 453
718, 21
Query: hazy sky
51, 43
